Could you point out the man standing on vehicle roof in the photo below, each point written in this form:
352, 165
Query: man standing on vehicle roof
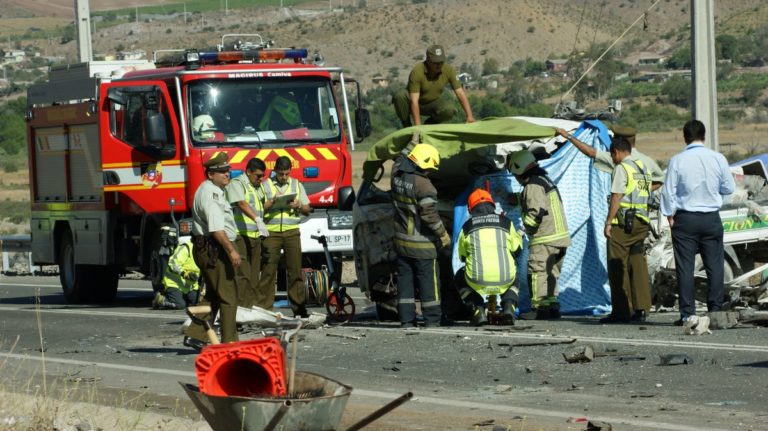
285, 202
418, 229
625, 228
604, 162
544, 223
425, 86
697, 180
214, 235
246, 196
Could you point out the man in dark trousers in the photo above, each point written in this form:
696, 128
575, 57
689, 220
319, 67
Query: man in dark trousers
214, 235
697, 180
626, 228
285, 203
417, 229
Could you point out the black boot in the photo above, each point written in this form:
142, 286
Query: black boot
479, 317
554, 310
507, 313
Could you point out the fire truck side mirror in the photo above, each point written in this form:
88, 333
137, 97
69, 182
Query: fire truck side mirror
157, 133
346, 198
363, 123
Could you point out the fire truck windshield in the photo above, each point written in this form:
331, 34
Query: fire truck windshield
266, 112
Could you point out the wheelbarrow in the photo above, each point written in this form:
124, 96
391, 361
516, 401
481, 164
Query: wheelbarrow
311, 402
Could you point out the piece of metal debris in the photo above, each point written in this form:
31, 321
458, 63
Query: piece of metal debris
599, 426
675, 359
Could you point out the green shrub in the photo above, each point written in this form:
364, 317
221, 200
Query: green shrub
10, 166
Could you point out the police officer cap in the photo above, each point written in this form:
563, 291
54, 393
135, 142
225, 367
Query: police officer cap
436, 54
218, 163
624, 132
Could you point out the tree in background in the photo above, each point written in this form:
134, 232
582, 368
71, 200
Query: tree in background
12, 126
678, 91
490, 66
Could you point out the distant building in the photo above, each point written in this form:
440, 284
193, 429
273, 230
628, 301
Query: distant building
14, 56
650, 60
464, 77
558, 65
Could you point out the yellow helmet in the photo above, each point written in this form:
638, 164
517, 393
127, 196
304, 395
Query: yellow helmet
520, 161
425, 156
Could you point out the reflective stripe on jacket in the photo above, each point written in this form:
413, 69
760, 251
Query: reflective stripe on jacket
487, 245
417, 224
245, 225
636, 194
543, 214
281, 219
182, 264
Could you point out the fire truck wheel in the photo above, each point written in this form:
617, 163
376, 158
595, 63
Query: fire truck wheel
73, 277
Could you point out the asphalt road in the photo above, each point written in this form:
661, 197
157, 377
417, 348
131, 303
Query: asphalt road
463, 378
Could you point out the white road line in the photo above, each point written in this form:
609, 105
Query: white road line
446, 402
504, 335
93, 311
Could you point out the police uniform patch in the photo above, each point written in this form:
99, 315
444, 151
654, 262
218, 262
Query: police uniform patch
215, 196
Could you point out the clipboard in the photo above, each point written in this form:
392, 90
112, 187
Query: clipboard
283, 201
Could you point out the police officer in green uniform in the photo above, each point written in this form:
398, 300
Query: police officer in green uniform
282, 216
604, 162
246, 196
418, 233
626, 228
544, 223
425, 86
488, 244
214, 235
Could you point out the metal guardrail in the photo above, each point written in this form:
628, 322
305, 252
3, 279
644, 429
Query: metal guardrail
12, 244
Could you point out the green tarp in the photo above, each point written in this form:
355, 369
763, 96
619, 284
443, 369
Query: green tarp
465, 149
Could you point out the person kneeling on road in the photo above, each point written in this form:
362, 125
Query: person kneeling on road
488, 244
180, 281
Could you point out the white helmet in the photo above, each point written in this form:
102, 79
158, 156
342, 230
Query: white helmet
203, 125
521, 161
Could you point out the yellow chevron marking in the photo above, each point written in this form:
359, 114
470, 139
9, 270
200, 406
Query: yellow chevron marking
305, 154
282, 152
239, 156
262, 154
328, 154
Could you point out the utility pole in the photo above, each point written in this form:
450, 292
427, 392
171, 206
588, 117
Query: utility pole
83, 23
703, 70
137, 15
185, 12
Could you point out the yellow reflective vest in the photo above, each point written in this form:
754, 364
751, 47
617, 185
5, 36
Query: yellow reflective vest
542, 212
637, 192
182, 273
281, 219
487, 245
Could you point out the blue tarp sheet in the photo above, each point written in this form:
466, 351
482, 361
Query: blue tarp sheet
583, 281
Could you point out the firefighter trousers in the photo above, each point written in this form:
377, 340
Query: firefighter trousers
289, 242
544, 265
628, 271
418, 275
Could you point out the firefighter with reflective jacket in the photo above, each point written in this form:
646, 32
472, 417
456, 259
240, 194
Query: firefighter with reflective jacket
626, 227
418, 234
488, 244
180, 281
544, 224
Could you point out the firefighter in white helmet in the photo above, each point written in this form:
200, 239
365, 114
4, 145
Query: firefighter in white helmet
544, 224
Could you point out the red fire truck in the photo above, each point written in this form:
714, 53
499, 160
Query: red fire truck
116, 152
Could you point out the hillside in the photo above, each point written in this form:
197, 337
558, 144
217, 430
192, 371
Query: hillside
386, 36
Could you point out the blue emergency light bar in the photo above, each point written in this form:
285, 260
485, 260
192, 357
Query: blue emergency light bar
252, 55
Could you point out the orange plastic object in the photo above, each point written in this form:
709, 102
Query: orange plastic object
244, 369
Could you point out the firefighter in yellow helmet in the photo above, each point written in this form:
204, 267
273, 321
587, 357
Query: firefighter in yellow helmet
488, 244
548, 237
419, 232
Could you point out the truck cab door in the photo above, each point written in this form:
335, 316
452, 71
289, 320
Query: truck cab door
140, 146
